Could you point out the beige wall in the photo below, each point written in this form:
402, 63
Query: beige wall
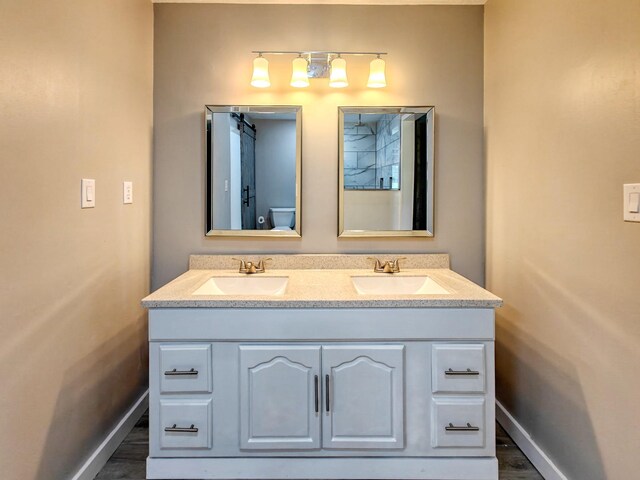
75, 101
373, 209
562, 116
203, 56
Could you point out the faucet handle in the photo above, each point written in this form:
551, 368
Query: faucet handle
243, 266
395, 264
262, 264
378, 265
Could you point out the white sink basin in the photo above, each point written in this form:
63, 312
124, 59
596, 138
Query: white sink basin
386, 284
247, 285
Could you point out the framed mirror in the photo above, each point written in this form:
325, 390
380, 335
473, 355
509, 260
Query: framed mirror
385, 183
253, 170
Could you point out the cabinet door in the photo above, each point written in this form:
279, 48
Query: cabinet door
363, 396
279, 397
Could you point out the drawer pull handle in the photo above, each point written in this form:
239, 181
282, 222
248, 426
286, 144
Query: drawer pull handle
469, 428
468, 371
178, 373
175, 428
317, 389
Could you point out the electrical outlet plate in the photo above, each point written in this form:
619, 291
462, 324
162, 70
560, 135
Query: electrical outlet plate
127, 192
630, 191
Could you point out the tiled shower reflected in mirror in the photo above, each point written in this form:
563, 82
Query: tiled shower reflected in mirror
372, 151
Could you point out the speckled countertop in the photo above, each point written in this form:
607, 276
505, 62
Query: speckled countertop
322, 287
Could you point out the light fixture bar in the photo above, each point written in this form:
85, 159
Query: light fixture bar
318, 64
313, 52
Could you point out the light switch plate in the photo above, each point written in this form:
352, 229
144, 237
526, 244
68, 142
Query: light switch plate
88, 193
631, 193
127, 192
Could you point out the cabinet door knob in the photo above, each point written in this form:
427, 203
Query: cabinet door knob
177, 373
468, 428
175, 428
468, 371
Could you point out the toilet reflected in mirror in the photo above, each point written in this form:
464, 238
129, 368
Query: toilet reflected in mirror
282, 219
253, 170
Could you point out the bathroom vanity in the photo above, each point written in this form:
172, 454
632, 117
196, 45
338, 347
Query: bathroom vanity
320, 369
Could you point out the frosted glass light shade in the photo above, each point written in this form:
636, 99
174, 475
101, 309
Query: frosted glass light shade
260, 76
299, 78
338, 77
377, 78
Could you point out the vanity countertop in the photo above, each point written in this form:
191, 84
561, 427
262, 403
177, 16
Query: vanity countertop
321, 288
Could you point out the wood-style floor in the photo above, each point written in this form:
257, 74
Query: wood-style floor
128, 461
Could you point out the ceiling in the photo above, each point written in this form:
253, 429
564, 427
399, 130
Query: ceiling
337, 2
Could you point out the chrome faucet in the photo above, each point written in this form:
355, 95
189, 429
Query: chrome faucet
390, 266
252, 267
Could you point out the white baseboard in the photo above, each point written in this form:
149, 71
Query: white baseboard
101, 455
529, 447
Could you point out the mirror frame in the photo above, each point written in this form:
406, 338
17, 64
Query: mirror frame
211, 109
430, 111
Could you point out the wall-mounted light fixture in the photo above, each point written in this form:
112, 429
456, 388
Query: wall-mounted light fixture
318, 64
260, 76
299, 78
376, 74
338, 76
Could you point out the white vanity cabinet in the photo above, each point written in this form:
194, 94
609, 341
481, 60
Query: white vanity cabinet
343, 393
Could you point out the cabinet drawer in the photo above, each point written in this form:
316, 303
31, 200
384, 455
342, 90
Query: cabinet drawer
185, 424
458, 368
185, 368
458, 423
